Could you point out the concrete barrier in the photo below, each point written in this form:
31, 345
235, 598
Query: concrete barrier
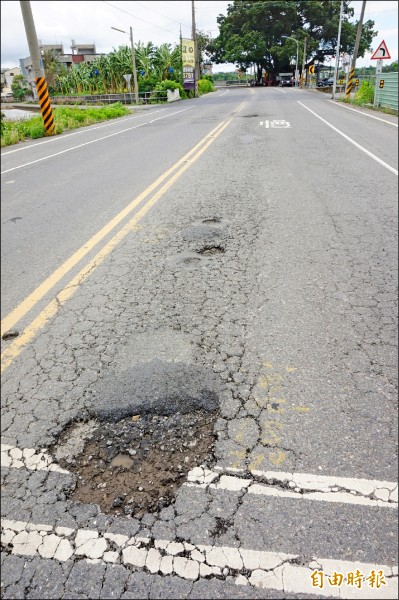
173, 95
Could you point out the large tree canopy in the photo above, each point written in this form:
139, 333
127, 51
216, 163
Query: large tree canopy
251, 33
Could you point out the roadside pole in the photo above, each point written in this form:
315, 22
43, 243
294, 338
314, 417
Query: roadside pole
355, 51
38, 70
196, 58
136, 89
377, 90
303, 74
337, 51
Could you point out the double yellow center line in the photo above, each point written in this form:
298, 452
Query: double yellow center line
171, 175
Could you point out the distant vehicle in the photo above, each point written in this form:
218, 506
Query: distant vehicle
326, 82
285, 83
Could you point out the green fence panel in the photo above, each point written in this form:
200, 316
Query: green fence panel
387, 97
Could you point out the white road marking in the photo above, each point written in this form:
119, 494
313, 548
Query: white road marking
373, 156
82, 130
300, 486
94, 141
341, 105
264, 569
28, 458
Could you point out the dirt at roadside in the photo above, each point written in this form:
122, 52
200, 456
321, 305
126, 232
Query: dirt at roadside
135, 465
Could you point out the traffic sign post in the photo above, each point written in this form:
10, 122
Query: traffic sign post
127, 78
382, 53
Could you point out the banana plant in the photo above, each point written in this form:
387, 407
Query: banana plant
145, 55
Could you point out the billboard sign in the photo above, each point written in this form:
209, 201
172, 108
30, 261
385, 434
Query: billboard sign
188, 59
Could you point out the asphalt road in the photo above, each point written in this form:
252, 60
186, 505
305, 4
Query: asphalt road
250, 234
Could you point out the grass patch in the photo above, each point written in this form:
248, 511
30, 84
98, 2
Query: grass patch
13, 132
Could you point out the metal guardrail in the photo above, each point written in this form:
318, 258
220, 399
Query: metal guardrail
129, 98
230, 82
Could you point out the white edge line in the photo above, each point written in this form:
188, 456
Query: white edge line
82, 130
362, 113
270, 570
373, 156
94, 141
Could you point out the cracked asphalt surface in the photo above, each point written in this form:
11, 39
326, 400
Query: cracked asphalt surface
261, 287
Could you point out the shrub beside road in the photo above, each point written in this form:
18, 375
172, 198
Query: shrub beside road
13, 132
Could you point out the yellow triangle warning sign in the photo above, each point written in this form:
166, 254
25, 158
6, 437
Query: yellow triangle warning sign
381, 52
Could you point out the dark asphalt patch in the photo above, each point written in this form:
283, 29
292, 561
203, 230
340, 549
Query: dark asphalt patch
153, 423
158, 388
202, 232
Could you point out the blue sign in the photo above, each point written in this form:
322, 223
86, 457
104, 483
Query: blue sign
170, 69
142, 72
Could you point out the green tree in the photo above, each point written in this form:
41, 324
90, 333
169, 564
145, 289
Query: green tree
53, 69
392, 68
20, 88
251, 33
204, 43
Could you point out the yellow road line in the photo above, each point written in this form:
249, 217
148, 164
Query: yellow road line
10, 353
27, 304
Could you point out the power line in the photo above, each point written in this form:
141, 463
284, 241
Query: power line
139, 18
161, 15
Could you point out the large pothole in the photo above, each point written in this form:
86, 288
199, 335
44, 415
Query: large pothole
150, 427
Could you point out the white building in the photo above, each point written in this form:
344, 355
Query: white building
7, 76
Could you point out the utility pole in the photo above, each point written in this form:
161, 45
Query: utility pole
136, 89
337, 50
181, 59
196, 57
304, 58
38, 70
355, 51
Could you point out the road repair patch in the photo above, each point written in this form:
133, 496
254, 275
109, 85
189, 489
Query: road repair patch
151, 425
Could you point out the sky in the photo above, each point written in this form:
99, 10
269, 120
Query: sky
89, 22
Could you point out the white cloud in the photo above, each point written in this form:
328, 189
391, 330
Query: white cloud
61, 21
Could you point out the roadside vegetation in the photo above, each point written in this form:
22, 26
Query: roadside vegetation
365, 97
65, 118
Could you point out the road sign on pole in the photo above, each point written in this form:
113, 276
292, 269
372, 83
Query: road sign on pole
381, 53
127, 78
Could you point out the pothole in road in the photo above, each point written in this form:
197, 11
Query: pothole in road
211, 220
10, 335
211, 250
152, 426
135, 466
